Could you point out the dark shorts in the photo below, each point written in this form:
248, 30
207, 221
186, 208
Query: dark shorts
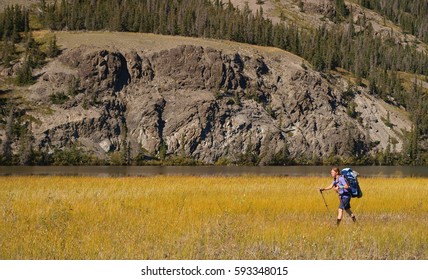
345, 202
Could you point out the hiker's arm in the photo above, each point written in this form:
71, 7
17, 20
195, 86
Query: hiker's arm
328, 188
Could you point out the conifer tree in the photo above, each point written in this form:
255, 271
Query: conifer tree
8, 52
53, 49
7, 143
341, 9
24, 75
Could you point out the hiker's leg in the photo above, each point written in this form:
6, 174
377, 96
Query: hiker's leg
351, 214
340, 210
339, 216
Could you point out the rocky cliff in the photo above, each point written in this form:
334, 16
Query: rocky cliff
207, 104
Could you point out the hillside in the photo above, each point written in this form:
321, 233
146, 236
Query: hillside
312, 14
207, 100
332, 84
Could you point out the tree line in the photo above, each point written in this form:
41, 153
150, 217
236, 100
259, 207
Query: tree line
205, 18
359, 52
411, 15
14, 31
13, 20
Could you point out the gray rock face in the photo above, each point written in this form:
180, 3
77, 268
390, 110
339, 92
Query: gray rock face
205, 104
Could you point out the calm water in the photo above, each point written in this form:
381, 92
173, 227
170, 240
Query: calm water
123, 171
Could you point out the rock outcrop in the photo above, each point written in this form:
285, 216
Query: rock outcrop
205, 104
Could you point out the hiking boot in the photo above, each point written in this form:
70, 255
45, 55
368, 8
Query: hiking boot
354, 219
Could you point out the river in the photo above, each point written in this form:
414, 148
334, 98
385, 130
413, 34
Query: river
125, 171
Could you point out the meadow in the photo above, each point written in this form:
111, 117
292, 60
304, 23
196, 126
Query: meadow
186, 217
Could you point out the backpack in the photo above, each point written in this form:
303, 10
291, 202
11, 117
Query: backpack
351, 178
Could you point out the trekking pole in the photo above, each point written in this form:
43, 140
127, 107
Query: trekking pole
325, 202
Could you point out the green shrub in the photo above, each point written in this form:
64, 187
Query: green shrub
58, 98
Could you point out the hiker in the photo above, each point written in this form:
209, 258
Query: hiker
342, 188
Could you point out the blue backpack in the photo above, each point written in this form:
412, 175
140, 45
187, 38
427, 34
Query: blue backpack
351, 178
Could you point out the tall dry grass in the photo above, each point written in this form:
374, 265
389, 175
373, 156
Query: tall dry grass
208, 218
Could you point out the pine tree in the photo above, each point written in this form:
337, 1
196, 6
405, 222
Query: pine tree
24, 75
25, 147
53, 49
33, 55
341, 9
8, 52
7, 143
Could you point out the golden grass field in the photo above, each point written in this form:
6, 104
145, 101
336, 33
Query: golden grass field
185, 217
